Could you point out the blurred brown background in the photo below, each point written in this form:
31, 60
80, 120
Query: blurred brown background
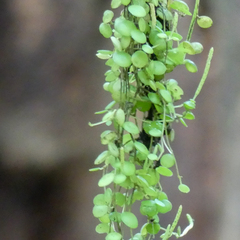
50, 86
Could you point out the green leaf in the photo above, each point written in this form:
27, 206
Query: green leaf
124, 27
131, 128
116, 43
189, 105
159, 68
153, 228
106, 30
99, 210
142, 24
154, 98
152, 157
147, 49
113, 149
138, 36
120, 116
180, 6
115, 3
119, 178
155, 132
129, 219
114, 236
164, 171
166, 95
186, 47
137, 10
119, 199
106, 179
198, 47
183, 188
128, 168
125, 2
122, 59
141, 148
99, 200
188, 115
102, 228
148, 208
190, 66
166, 208
139, 59
107, 16
101, 157
204, 22
167, 160
125, 41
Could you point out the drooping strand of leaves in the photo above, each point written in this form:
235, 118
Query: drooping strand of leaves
146, 47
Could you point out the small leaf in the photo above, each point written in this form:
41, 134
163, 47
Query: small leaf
164, 171
180, 6
122, 59
106, 179
167, 160
166, 95
152, 157
188, 115
129, 219
113, 149
102, 228
106, 30
153, 228
124, 27
116, 43
99, 210
101, 157
114, 236
137, 10
184, 188
141, 147
115, 3
119, 178
154, 98
120, 116
147, 49
190, 66
138, 36
139, 59
128, 168
120, 199
204, 22
107, 16
159, 68
131, 128
125, 2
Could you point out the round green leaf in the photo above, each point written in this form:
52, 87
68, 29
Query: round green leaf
138, 36
119, 178
139, 59
116, 43
189, 105
167, 160
125, 41
187, 47
159, 68
180, 6
107, 16
115, 3
190, 66
131, 128
124, 27
125, 2
137, 10
143, 106
155, 132
153, 228
102, 228
165, 14
106, 179
114, 236
120, 116
100, 210
204, 22
128, 168
184, 188
143, 77
152, 157
129, 219
164, 171
106, 30
122, 59
166, 95
119, 199
188, 115
166, 208
141, 148
147, 49
148, 208
142, 24
154, 98
101, 157
113, 149
198, 47
99, 199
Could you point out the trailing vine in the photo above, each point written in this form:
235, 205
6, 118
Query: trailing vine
146, 47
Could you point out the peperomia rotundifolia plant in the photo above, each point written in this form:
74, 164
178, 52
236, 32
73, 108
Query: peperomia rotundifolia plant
146, 47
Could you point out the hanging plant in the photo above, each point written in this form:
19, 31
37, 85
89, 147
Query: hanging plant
146, 47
